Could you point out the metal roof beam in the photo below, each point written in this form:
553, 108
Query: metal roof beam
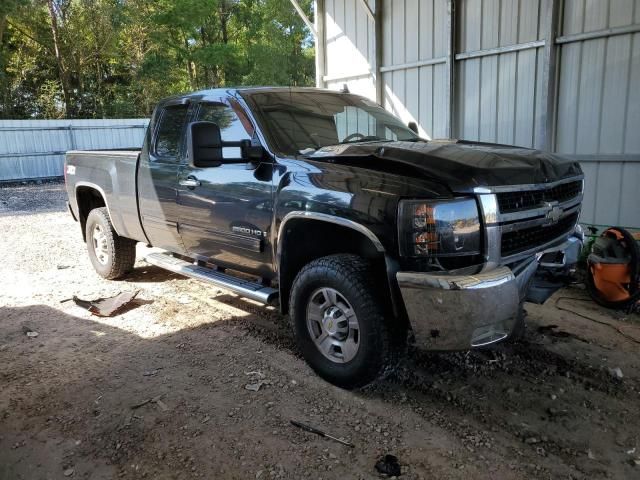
367, 9
305, 19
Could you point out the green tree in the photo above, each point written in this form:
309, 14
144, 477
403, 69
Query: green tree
115, 58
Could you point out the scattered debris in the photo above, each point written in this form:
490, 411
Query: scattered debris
155, 399
616, 372
162, 405
258, 381
68, 472
308, 428
107, 307
29, 332
63, 267
151, 373
388, 465
590, 455
254, 387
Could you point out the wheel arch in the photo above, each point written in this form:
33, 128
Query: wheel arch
90, 196
322, 235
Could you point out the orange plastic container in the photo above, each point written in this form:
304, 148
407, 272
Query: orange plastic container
610, 278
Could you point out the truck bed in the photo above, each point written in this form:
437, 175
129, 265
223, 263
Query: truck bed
113, 174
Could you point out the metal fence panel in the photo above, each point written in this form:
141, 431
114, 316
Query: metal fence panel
35, 148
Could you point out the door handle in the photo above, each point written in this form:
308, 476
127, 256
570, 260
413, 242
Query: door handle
190, 182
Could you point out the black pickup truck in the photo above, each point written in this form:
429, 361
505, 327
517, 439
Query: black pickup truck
367, 235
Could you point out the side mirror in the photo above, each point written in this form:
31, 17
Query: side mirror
204, 144
251, 150
413, 126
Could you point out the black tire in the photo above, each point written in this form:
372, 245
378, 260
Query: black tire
120, 252
520, 328
379, 339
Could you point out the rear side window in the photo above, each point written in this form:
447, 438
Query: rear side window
170, 128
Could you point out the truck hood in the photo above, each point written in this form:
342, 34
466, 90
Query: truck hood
460, 165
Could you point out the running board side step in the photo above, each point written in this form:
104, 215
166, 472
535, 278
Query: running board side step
244, 288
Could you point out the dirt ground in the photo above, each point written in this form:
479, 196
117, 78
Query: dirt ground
552, 406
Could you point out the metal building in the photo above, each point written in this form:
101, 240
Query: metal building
560, 75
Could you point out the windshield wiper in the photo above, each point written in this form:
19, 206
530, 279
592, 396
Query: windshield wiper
369, 138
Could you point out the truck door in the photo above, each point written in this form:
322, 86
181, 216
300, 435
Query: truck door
157, 176
225, 212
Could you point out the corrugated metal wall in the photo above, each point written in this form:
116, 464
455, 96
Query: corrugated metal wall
491, 79
414, 64
599, 104
497, 92
35, 148
350, 43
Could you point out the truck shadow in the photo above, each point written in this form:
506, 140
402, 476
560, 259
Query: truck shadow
151, 274
79, 378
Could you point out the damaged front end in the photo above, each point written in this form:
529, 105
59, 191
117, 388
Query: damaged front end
461, 310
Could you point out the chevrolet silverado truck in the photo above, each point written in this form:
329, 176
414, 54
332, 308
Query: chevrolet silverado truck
367, 235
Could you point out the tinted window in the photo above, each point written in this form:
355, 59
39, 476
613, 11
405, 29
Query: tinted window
231, 128
170, 131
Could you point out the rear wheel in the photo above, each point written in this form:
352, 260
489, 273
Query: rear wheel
340, 323
112, 256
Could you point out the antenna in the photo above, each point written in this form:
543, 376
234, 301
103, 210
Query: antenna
345, 88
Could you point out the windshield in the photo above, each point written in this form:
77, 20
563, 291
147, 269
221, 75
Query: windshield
302, 121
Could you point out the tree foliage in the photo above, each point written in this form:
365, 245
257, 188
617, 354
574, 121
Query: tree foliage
116, 58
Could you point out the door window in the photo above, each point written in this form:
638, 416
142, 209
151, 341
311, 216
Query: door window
232, 128
170, 132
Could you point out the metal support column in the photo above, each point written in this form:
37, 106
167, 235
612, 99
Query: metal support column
546, 126
450, 67
378, 41
321, 36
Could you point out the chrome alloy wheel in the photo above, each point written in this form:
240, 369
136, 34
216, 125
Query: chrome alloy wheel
333, 325
100, 244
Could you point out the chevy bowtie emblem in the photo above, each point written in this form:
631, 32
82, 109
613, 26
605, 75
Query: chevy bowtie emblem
554, 212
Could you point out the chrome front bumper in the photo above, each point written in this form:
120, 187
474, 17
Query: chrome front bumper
458, 312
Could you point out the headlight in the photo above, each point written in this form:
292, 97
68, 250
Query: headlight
440, 228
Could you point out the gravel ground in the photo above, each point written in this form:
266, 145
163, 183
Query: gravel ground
552, 406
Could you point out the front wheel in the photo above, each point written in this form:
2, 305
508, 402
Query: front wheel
111, 255
340, 322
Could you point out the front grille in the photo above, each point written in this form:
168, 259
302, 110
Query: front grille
527, 238
527, 200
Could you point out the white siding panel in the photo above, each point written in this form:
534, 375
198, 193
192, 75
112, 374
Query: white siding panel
509, 22
440, 106
590, 88
411, 30
607, 189
616, 90
525, 87
489, 99
426, 100
632, 137
595, 15
506, 97
590, 189
568, 95
426, 32
490, 23
629, 214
